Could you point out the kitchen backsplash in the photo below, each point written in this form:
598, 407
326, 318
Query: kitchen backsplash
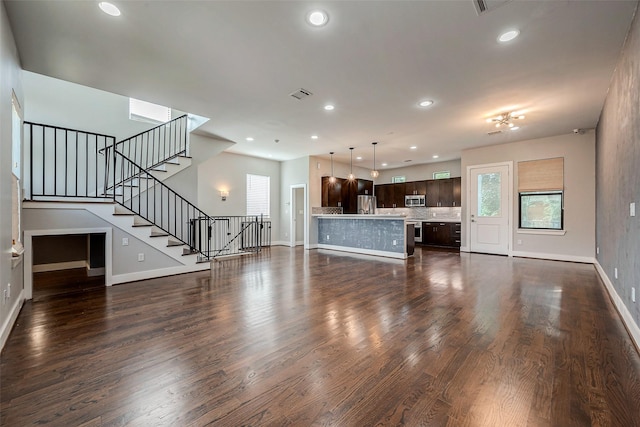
424, 213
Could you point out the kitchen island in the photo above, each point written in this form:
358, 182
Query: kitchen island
381, 235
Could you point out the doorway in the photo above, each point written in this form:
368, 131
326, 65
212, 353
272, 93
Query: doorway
490, 208
298, 232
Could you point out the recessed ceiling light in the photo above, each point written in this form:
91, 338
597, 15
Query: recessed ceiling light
514, 127
507, 36
317, 18
109, 8
426, 103
249, 139
383, 164
329, 107
435, 156
413, 147
359, 158
314, 136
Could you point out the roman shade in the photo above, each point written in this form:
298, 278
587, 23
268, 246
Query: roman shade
541, 175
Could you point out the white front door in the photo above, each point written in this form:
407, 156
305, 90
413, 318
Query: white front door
489, 213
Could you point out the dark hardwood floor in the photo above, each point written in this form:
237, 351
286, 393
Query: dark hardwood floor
300, 338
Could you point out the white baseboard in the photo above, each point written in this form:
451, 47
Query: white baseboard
464, 249
279, 243
627, 318
11, 320
56, 266
554, 257
152, 274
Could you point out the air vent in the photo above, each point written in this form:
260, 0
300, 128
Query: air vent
301, 94
494, 132
484, 6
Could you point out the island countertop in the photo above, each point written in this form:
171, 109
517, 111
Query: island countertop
360, 216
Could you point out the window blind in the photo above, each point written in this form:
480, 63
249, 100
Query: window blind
258, 195
541, 175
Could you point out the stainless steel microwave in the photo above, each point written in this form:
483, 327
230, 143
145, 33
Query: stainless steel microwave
414, 200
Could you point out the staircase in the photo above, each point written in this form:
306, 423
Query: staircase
125, 179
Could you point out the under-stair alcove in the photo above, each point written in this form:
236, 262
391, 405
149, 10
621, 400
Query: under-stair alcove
65, 264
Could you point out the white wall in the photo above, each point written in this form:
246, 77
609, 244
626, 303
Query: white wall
10, 80
420, 172
228, 171
579, 196
293, 172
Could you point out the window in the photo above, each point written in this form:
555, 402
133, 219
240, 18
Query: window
541, 193
541, 210
442, 175
143, 111
16, 161
258, 195
395, 179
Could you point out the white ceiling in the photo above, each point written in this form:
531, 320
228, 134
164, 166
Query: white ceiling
237, 62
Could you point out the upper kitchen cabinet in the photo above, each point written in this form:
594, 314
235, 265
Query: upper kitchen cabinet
416, 187
444, 192
365, 187
331, 193
344, 193
385, 195
399, 191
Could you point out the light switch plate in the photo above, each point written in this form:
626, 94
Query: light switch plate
632, 209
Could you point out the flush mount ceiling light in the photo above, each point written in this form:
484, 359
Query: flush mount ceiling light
314, 136
426, 103
249, 139
329, 107
507, 36
505, 119
515, 127
413, 147
317, 18
109, 8
351, 176
374, 172
435, 156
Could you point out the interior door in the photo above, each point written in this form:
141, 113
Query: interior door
489, 209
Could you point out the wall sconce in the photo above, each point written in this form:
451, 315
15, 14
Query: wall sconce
224, 194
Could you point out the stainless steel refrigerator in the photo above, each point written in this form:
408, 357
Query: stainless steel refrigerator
366, 204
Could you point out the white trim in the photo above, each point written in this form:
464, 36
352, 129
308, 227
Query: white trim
28, 253
509, 165
292, 214
542, 232
623, 311
314, 246
280, 243
464, 249
554, 257
7, 326
56, 266
162, 272
400, 255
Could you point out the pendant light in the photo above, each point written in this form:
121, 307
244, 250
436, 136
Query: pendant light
332, 178
351, 176
374, 172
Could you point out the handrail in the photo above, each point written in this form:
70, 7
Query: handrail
152, 129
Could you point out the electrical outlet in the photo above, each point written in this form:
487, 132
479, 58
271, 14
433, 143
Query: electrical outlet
632, 209
633, 294
327, 237
125, 241
615, 272
140, 257
395, 242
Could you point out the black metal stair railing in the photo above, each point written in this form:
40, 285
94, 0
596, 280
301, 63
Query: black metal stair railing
152, 200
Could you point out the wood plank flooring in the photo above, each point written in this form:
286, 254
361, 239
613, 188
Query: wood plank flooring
317, 338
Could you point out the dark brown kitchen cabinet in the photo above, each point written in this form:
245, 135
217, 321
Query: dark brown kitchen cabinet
445, 234
399, 191
457, 191
443, 192
344, 193
416, 187
385, 195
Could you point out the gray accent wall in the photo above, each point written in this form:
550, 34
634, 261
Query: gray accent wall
371, 234
618, 175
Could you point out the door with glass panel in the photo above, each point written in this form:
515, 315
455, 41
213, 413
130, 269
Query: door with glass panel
489, 209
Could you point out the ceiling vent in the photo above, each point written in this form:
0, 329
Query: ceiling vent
301, 94
494, 132
484, 6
